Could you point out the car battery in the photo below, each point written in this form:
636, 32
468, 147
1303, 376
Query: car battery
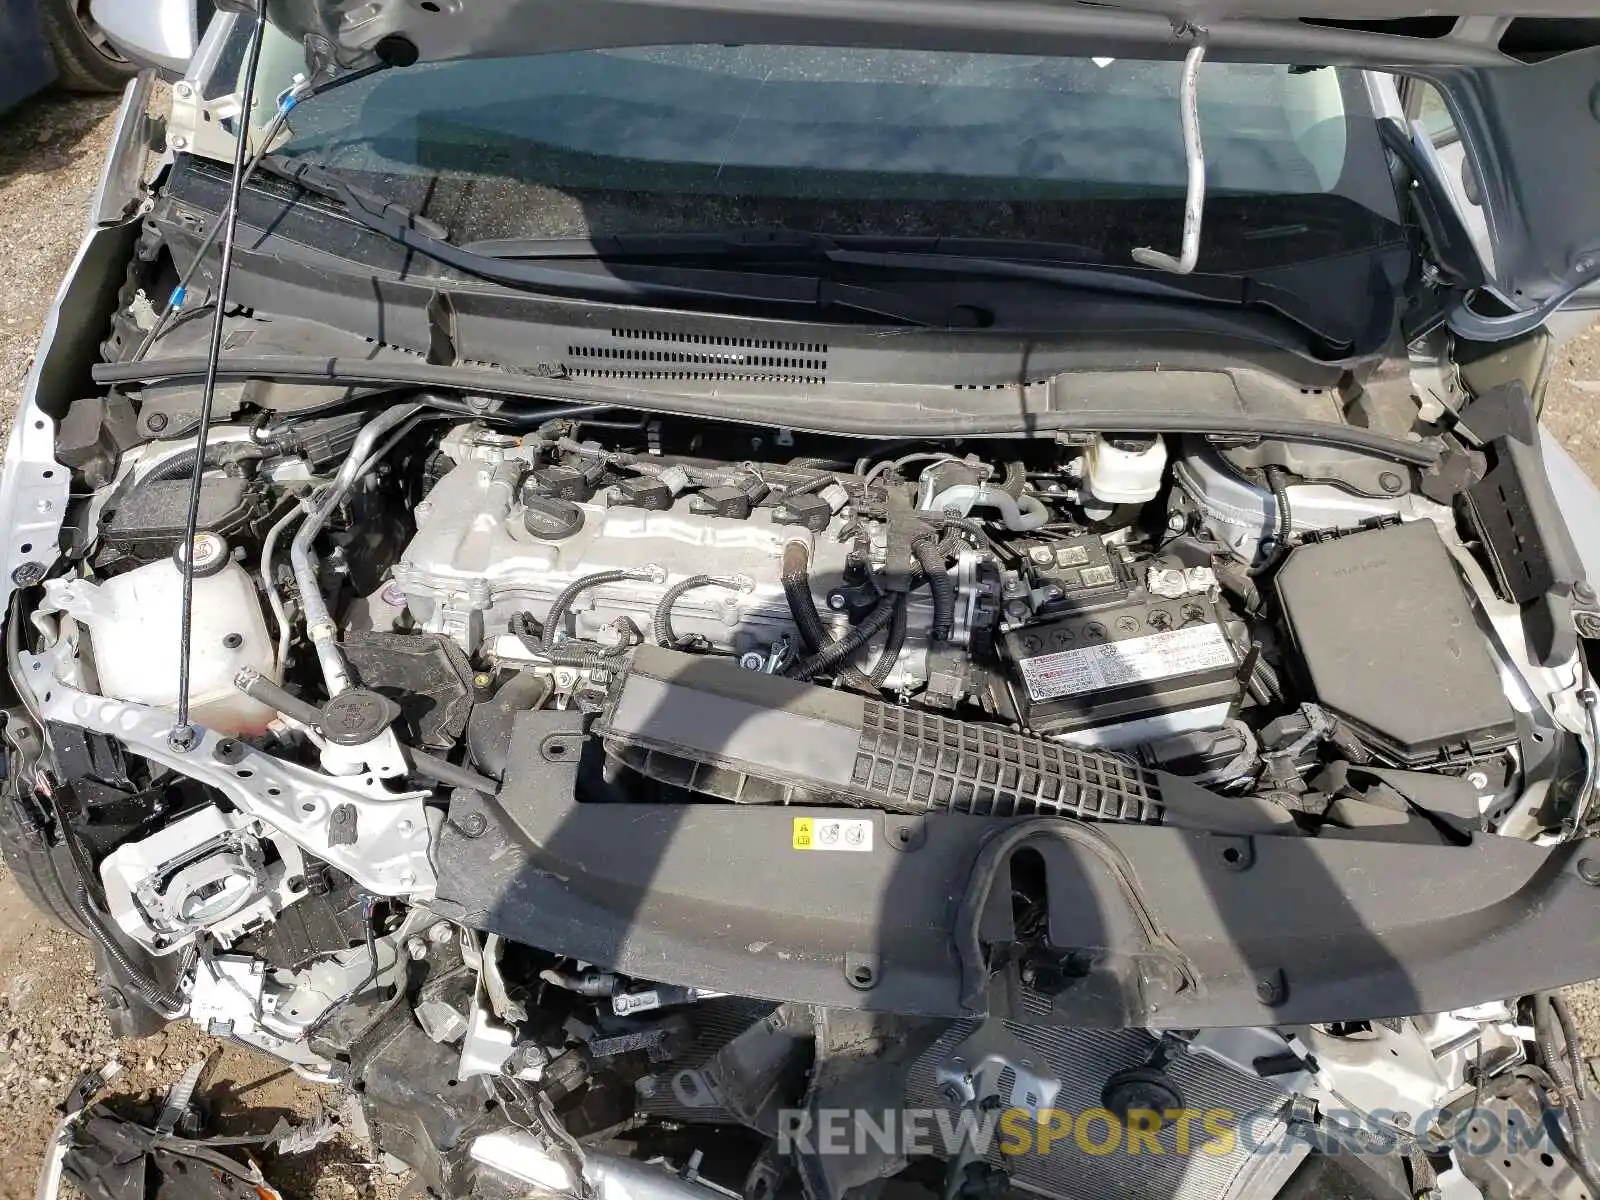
1127, 673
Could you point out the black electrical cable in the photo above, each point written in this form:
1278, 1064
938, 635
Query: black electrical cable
661, 624
183, 735
930, 557
892, 644
796, 579
839, 652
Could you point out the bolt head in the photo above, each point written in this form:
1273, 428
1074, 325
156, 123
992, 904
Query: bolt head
1042, 555
416, 948
180, 142
838, 601
1391, 482
1589, 871
1177, 522
1478, 779
183, 89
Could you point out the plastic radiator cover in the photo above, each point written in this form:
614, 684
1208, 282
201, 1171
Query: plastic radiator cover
1173, 927
706, 725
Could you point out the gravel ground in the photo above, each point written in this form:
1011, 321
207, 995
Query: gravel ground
51, 1025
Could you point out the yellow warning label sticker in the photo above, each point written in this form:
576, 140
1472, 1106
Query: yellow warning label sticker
832, 833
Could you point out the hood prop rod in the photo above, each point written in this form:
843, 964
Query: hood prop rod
1194, 155
184, 737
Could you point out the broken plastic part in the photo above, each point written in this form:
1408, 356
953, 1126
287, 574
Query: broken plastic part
1194, 201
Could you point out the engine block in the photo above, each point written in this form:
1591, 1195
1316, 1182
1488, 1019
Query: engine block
474, 564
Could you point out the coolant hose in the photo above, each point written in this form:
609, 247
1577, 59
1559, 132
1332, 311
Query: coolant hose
836, 653
926, 550
661, 625
1017, 513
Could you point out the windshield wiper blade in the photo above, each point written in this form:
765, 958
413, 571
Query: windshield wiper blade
1055, 265
658, 285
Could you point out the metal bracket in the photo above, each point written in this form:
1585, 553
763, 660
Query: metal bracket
389, 854
971, 1075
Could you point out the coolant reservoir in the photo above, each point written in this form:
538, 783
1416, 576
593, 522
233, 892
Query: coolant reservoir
134, 621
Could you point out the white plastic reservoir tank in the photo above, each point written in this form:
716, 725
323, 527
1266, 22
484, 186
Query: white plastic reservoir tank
134, 620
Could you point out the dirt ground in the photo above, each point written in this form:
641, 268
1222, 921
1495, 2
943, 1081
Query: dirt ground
51, 1025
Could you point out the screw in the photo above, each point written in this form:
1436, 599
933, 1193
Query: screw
1270, 989
182, 90
183, 739
1391, 482
233, 641
416, 948
1177, 522
1403, 1120
838, 601
751, 661
1042, 555
472, 825
43, 506
180, 142
28, 574
1589, 871
1478, 779
156, 422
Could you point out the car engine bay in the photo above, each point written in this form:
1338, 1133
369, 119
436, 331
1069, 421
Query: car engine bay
497, 708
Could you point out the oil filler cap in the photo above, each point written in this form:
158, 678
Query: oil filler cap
550, 519
209, 551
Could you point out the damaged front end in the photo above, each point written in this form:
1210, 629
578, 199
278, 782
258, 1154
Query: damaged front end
777, 768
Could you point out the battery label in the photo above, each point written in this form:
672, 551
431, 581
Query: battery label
1145, 659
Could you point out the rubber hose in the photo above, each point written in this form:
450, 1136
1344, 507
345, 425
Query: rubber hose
891, 646
558, 611
661, 625
850, 643
796, 580
1544, 1022
489, 726
928, 556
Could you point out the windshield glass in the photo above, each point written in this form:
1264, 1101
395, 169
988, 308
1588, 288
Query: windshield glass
1087, 152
